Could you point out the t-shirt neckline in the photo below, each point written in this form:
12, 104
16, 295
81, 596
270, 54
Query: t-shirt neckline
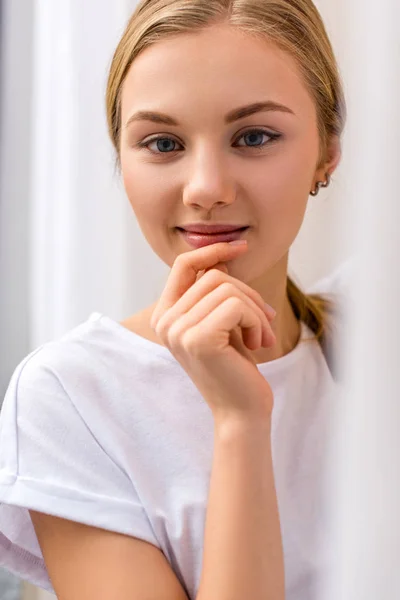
163, 352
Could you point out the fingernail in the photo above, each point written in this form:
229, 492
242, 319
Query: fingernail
270, 310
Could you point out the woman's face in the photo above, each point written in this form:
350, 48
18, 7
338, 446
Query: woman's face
256, 170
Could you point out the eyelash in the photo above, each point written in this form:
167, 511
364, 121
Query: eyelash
273, 136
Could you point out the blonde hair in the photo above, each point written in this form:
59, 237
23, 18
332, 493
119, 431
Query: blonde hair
296, 27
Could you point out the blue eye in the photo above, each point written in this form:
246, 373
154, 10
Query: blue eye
255, 134
163, 143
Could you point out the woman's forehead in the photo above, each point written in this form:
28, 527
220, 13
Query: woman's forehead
218, 64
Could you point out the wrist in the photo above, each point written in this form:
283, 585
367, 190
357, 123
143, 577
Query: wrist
232, 424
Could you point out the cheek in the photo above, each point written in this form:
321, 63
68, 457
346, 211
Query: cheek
281, 191
151, 205
281, 186
150, 209
288, 178
142, 190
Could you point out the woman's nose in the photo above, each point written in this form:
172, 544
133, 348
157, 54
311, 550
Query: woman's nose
208, 183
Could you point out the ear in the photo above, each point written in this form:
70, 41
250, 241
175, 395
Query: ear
332, 159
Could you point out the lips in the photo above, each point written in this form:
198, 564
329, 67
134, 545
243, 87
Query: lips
198, 240
203, 228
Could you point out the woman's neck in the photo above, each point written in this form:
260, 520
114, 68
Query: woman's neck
285, 326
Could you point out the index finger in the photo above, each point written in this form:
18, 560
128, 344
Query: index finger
185, 270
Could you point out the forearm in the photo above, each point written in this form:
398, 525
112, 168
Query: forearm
243, 555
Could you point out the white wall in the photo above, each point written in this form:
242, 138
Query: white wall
326, 238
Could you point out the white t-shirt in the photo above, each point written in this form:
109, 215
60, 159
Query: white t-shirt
104, 427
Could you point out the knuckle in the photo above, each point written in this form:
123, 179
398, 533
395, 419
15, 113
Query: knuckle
234, 301
175, 335
181, 260
161, 327
213, 275
228, 288
190, 341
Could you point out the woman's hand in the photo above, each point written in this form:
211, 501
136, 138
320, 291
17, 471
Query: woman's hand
206, 322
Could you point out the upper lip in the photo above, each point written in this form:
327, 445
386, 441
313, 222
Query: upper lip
208, 228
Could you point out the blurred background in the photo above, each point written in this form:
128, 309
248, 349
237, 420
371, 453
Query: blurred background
69, 242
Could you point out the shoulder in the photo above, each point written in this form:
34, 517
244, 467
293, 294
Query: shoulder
64, 372
46, 365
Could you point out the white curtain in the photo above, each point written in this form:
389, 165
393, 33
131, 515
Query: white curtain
70, 244
86, 251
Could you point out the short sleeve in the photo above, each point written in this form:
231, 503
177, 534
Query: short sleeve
51, 462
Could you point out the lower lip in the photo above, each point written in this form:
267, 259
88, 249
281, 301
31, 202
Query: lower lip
198, 240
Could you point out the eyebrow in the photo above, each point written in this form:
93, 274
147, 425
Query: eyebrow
231, 117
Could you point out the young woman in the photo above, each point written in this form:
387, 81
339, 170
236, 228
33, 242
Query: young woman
182, 453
